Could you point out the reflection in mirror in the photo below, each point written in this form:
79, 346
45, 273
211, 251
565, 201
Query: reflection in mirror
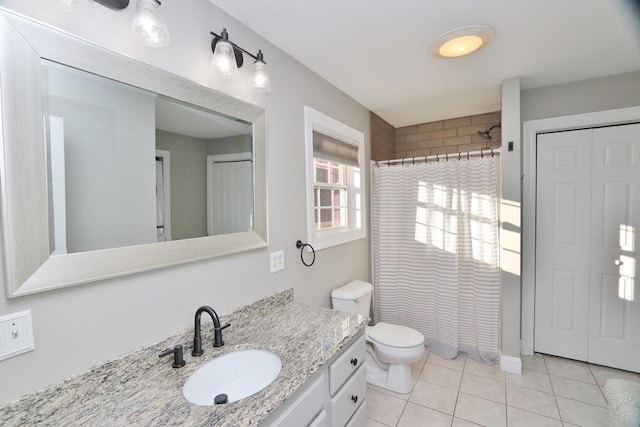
129, 167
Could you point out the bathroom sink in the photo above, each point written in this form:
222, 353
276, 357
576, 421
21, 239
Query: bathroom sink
238, 375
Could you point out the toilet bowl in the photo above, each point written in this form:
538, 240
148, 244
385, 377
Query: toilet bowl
390, 348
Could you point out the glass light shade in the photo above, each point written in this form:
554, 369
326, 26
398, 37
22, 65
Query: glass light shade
261, 81
460, 46
462, 41
149, 26
223, 64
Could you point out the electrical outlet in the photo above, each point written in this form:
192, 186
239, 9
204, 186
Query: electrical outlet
277, 261
16, 334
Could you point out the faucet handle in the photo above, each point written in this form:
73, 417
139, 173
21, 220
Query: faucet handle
178, 358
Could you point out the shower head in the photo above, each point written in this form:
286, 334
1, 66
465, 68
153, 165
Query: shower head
487, 133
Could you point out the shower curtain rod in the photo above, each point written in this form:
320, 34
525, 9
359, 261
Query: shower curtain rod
465, 155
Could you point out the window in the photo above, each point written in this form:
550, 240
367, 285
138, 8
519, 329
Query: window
335, 187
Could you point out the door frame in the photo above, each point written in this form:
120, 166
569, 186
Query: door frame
530, 129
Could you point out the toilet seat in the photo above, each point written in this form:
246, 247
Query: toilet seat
395, 336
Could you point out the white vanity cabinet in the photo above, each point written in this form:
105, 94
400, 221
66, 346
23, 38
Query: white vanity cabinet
334, 398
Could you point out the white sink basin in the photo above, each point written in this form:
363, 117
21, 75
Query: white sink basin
238, 375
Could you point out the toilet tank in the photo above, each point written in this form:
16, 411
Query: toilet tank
354, 297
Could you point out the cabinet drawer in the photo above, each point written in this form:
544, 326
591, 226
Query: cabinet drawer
320, 420
304, 409
359, 419
349, 398
346, 364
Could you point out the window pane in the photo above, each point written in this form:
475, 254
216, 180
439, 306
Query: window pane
322, 174
335, 174
325, 218
325, 197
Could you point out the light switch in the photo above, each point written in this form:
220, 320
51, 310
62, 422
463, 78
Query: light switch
16, 334
277, 261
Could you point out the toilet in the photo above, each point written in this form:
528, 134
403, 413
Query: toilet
390, 348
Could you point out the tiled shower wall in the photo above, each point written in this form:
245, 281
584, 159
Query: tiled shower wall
449, 136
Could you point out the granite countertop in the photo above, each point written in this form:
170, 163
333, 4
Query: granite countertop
142, 389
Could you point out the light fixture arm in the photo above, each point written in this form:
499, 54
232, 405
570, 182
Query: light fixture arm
225, 37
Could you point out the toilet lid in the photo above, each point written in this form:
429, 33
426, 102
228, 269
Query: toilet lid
395, 335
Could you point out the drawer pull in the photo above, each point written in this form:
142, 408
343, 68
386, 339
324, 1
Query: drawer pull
354, 399
354, 362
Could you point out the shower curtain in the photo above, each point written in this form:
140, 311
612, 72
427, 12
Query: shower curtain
435, 253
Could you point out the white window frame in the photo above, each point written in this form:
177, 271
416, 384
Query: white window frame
321, 239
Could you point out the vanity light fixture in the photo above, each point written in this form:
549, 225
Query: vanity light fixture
462, 41
227, 58
148, 24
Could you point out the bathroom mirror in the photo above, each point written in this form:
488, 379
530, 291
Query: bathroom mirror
124, 173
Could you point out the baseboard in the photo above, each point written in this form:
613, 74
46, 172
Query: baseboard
511, 364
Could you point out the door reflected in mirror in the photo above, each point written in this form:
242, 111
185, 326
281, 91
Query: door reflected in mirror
129, 167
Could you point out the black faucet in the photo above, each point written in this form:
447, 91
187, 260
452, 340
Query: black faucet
217, 330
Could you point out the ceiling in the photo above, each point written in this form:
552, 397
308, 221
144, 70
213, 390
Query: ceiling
379, 52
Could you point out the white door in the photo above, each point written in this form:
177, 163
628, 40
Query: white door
231, 197
562, 243
588, 202
614, 327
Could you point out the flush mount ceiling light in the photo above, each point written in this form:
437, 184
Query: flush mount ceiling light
462, 41
227, 58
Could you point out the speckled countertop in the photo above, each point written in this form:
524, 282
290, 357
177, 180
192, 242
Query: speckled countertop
142, 389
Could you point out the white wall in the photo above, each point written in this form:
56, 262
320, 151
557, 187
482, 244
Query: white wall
76, 328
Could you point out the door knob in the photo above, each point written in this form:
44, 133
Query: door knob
618, 262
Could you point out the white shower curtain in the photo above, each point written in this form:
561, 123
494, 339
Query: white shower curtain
435, 249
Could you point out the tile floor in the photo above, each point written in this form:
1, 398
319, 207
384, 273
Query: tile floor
551, 392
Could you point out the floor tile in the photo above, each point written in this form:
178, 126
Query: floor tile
481, 411
577, 390
519, 418
483, 387
569, 425
416, 415
582, 414
459, 422
457, 363
492, 372
534, 363
602, 373
416, 369
532, 401
373, 423
438, 375
434, 397
403, 396
571, 369
384, 408
531, 379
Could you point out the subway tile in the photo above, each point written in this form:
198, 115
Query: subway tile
458, 140
406, 130
446, 133
489, 118
416, 137
430, 127
431, 143
456, 123
471, 130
